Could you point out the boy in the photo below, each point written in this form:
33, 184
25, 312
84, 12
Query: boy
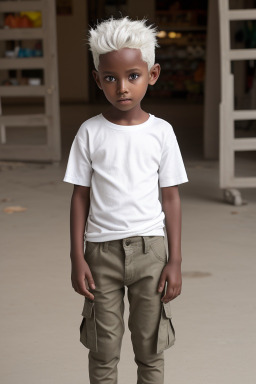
116, 163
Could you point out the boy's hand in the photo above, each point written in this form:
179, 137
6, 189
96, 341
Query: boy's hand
82, 279
172, 275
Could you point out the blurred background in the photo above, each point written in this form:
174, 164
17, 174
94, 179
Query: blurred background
46, 92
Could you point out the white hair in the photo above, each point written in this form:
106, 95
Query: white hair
114, 34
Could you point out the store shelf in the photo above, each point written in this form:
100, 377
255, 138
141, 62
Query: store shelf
245, 144
244, 115
21, 6
179, 11
21, 33
22, 63
26, 152
165, 42
182, 19
242, 14
23, 90
182, 57
21, 69
174, 59
24, 120
178, 28
242, 54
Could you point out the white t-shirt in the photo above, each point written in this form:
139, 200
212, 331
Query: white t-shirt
124, 166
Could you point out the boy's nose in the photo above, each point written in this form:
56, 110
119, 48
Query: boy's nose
122, 86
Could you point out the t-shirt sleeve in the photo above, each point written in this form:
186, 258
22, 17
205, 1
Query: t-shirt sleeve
171, 170
79, 168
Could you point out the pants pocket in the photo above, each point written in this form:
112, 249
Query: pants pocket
166, 332
88, 334
158, 249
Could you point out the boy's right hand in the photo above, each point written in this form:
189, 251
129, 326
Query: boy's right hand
82, 279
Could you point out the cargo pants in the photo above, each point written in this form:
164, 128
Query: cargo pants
135, 262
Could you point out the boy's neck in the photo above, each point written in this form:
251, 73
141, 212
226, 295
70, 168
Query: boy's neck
132, 117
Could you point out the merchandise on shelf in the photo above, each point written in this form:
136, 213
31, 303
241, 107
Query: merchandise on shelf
35, 17
24, 52
23, 20
182, 41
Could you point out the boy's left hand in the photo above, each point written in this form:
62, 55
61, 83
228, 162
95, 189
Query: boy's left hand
171, 275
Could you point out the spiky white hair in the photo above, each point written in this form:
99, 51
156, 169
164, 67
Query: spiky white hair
114, 34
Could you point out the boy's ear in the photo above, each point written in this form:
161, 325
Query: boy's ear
154, 74
96, 78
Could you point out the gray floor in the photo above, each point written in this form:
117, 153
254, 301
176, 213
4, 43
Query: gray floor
214, 317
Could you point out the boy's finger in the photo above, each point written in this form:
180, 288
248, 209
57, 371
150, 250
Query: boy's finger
90, 280
168, 296
176, 292
165, 299
83, 291
161, 284
89, 295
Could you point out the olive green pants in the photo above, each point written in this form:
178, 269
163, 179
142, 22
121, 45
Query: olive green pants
136, 262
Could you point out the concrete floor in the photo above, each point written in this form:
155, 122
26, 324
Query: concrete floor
214, 317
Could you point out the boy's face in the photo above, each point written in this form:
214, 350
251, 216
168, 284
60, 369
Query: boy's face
124, 77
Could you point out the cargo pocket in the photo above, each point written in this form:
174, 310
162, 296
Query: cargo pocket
166, 332
88, 334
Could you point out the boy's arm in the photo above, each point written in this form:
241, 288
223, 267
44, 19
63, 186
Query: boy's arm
172, 271
81, 276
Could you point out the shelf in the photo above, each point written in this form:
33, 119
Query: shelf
172, 58
166, 43
245, 14
182, 77
181, 28
21, 6
244, 144
23, 90
244, 115
242, 54
175, 11
166, 71
47, 93
26, 152
21, 33
24, 120
22, 63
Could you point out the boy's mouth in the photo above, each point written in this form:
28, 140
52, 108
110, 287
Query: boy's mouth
124, 101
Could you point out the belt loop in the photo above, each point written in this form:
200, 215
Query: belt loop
105, 246
146, 244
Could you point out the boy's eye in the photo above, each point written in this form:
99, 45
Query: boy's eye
133, 76
110, 78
